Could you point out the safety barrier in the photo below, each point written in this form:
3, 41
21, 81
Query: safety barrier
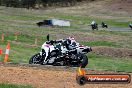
2, 37
7, 53
0, 53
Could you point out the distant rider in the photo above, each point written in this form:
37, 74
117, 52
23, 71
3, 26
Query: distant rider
130, 25
94, 25
104, 25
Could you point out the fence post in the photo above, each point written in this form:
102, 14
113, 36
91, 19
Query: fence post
36, 41
15, 35
2, 37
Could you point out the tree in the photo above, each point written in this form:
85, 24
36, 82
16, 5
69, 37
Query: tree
28, 3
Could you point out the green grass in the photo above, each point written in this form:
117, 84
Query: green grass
101, 43
3, 85
109, 63
114, 33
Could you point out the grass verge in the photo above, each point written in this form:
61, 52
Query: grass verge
101, 43
109, 63
4, 85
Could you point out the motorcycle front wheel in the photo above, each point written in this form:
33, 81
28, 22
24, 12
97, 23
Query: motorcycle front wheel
82, 60
35, 59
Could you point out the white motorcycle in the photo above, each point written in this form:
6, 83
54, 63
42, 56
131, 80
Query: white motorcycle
63, 52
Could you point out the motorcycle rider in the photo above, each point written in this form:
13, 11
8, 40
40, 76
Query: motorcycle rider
70, 43
104, 25
66, 52
93, 22
130, 25
94, 25
64, 46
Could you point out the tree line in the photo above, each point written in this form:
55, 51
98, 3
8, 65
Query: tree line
38, 3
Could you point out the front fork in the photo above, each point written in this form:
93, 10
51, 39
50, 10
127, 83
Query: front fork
43, 55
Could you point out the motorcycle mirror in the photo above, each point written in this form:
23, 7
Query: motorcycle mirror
48, 37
